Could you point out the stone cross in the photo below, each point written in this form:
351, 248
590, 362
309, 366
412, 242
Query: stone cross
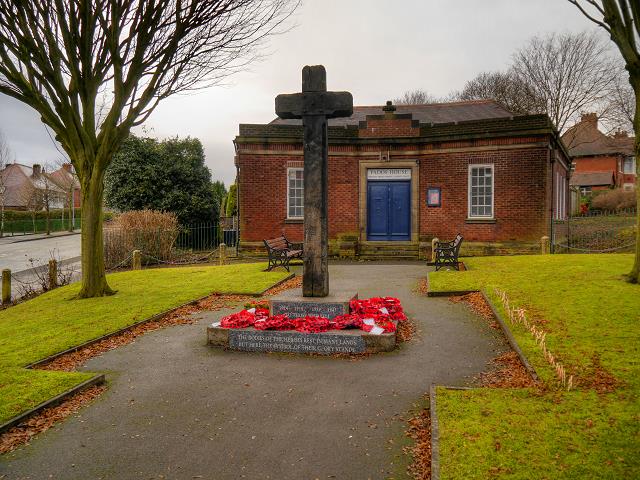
315, 105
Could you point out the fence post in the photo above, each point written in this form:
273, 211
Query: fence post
434, 242
223, 253
6, 286
545, 245
137, 260
53, 274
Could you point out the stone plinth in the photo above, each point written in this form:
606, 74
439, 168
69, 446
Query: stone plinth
293, 304
333, 341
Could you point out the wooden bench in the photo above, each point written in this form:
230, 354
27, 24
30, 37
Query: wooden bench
280, 252
447, 253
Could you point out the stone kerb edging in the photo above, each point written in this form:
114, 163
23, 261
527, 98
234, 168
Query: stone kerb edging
100, 379
435, 428
52, 402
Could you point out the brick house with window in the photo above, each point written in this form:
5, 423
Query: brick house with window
600, 161
401, 175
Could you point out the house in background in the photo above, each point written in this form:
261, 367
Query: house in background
398, 176
66, 178
31, 188
600, 161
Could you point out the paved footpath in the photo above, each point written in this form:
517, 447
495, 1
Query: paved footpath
176, 409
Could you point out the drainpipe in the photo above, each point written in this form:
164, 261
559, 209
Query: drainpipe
552, 154
235, 161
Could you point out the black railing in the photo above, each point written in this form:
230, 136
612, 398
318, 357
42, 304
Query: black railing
596, 232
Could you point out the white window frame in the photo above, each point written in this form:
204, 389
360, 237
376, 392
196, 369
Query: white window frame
289, 169
633, 165
493, 191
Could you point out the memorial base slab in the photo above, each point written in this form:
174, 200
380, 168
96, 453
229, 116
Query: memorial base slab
327, 343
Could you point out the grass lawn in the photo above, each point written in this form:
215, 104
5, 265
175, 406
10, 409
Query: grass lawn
592, 319
55, 321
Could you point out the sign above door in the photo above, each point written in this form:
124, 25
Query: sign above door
389, 174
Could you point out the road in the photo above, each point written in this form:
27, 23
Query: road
15, 252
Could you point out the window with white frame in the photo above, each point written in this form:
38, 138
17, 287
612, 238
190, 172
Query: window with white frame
480, 191
629, 165
295, 193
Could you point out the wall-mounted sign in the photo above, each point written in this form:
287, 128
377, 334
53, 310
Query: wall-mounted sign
433, 197
389, 174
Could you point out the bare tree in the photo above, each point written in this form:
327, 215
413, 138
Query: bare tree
621, 20
570, 72
50, 193
5, 159
506, 88
416, 97
93, 70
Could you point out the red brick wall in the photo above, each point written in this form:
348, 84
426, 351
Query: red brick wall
597, 164
519, 195
389, 127
521, 202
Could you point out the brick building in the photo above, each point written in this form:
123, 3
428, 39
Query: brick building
399, 176
600, 161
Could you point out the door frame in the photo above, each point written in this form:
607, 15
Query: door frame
364, 165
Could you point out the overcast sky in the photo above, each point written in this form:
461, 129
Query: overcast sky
376, 49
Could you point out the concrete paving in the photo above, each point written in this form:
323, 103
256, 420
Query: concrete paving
177, 409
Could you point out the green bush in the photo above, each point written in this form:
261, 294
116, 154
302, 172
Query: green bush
231, 207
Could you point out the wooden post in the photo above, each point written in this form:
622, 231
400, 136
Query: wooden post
6, 286
53, 274
434, 242
223, 253
137, 260
545, 245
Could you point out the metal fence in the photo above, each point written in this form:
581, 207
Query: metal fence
596, 232
186, 244
14, 228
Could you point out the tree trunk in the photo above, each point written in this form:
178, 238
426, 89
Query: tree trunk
634, 275
48, 214
94, 281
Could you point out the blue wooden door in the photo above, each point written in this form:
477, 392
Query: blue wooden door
389, 211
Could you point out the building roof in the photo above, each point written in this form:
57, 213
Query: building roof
434, 113
592, 179
584, 139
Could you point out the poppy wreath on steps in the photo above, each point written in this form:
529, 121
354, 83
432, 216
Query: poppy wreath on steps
366, 314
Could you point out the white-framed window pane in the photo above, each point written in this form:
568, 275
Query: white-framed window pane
629, 165
295, 193
480, 191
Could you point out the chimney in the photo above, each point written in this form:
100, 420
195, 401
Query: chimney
621, 134
389, 109
37, 169
67, 167
590, 118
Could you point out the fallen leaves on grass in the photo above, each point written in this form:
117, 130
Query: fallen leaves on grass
420, 432
44, 420
507, 372
181, 316
598, 378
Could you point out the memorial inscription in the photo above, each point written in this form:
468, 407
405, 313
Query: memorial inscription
269, 341
302, 309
